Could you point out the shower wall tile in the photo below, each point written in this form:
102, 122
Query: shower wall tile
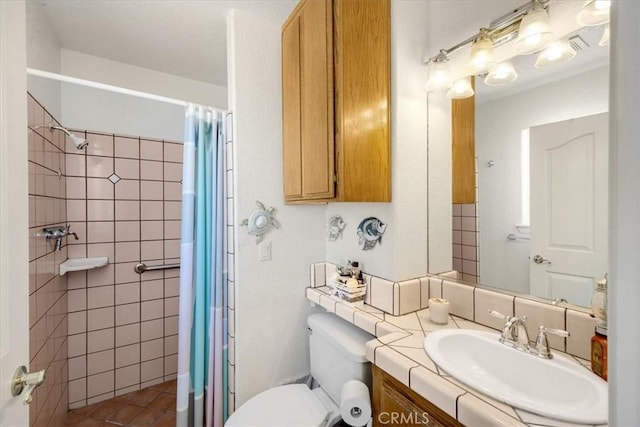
124, 331
153, 190
465, 247
127, 147
99, 167
48, 305
99, 144
152, 150
172, 152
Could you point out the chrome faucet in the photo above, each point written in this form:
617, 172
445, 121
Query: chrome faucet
514, 334
514, 331
58, 233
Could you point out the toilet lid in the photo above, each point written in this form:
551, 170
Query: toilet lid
291, 405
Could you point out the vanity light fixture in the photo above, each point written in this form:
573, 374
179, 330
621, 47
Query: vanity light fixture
557, 52
481, 58
595, 12
461, 89
502, 73
438, 72
534, 31
604, 40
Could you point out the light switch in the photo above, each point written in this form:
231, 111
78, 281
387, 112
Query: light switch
264, 251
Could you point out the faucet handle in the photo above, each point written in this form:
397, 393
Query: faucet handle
504, 317
559, 332
499, 315
542, 344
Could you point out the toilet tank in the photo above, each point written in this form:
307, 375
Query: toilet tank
337, 351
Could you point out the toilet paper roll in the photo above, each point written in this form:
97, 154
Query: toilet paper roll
355, 403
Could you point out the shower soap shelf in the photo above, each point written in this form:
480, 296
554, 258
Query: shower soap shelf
78, 264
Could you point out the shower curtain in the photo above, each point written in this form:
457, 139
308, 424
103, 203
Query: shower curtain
202, 340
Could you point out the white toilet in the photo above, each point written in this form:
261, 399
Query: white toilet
337, 355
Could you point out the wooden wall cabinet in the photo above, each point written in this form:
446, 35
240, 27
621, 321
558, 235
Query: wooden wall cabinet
336, 67
396, 404
463, 152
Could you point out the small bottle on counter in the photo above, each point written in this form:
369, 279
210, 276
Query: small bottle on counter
599, 352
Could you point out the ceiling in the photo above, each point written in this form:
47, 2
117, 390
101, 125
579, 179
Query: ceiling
186, 38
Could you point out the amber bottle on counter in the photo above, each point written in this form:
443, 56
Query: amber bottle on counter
599, 352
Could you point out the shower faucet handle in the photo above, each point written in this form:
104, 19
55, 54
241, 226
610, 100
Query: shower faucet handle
67, 231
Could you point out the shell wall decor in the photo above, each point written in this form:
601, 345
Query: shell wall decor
261, 221
370, 231
334, 230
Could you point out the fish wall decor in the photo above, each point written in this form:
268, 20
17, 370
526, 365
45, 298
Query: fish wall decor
370, 231
334, 230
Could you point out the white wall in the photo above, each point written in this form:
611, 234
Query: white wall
403, 252
43, 53
99, 110
102, 70
624, 248
102, 111
270, 329
505, 263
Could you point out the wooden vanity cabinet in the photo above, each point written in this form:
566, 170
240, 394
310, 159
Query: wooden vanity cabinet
336, 67
396, 404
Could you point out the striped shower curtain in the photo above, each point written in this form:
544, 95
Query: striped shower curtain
202, 340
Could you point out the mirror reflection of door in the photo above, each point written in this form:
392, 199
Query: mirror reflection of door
568, 205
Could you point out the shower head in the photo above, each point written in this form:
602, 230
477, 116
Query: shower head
80, 143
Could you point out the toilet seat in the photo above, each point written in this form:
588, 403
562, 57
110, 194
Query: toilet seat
293, 405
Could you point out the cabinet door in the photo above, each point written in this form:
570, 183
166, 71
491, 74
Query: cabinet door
291, 143
307, 88
316, 42
396, 404
362, 31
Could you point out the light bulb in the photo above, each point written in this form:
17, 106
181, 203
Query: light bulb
461, 89
481, 57
557, 52
501, 74
534, 31
439, 75
595, 12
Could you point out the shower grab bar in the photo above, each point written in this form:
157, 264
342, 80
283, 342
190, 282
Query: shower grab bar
142, 267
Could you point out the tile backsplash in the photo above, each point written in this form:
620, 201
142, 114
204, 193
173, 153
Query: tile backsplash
469, 302
124, 202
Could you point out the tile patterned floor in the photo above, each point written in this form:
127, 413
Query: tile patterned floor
151, 407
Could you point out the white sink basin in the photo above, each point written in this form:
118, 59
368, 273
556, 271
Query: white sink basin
556, 388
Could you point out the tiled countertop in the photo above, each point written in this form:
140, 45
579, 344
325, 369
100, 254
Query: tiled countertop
398, 350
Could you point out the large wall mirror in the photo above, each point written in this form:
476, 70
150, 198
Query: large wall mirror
538, 224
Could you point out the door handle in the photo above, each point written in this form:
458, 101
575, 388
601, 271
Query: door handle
23, 379
539, 260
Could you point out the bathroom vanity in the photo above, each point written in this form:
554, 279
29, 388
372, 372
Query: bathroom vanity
394, 401
407, 381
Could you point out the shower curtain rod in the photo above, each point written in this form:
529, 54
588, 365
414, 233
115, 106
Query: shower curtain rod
116, 89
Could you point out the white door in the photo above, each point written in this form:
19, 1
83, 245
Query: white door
569, 197
14, 212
